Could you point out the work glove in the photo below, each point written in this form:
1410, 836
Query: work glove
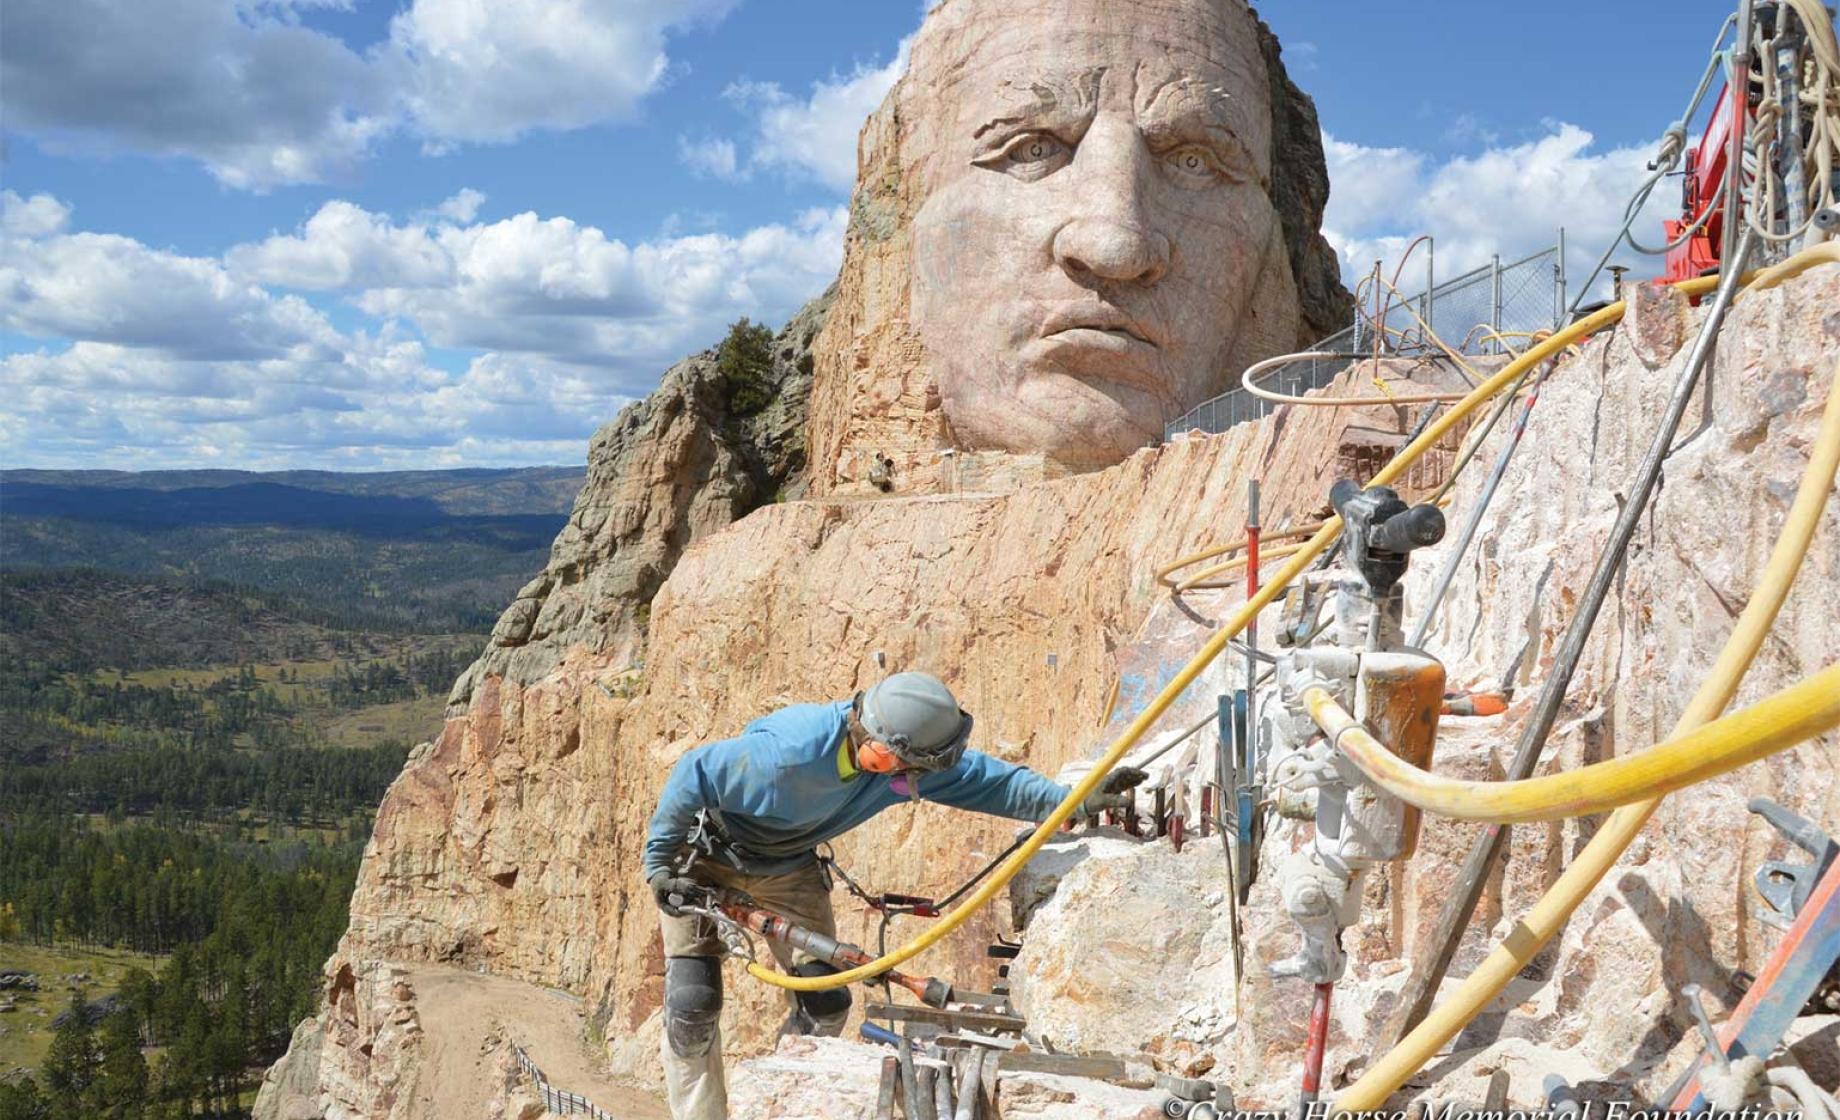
1111, 793
675, 891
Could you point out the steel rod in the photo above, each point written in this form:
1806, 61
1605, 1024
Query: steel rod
1428, 612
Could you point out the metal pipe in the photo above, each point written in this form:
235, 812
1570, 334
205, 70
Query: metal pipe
1495, 300
970, 1075
1431, 283
1739, 83
1249, 747
884, 1097
1788, 77
1428, 612
942, 1089
1559, 282
1460, 903
910, 1077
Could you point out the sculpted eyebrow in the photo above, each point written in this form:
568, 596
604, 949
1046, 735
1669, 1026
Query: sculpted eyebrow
1181, 108
1067, 101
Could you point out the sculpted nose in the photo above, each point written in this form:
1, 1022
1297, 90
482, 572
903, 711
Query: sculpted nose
1117, 248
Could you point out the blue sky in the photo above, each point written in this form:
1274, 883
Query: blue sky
361, 234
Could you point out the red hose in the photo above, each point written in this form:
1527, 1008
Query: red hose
1252, 561
1319, 1041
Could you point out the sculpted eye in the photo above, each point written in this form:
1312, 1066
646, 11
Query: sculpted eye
1034, 149
1031, 155
1194, 165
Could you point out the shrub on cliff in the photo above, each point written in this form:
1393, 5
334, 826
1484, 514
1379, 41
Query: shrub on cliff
744, 361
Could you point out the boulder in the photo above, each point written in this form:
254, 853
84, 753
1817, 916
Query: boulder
807, 1078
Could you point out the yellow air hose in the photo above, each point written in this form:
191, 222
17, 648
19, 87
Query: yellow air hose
1163, 573
1508, 375
1791, 716
1549, 915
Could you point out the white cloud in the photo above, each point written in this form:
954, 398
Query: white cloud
241, 87
462, 207
816, 137
261, 100
552, 287
38, 216
1507, 199
710, 156
479, 70
344, 246
93, 404
152, 358
106, 288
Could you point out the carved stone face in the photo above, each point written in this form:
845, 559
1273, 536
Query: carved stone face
1096, 219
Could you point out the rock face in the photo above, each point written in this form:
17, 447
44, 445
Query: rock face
1072, 222
1597, 1005
670, 469
512, 843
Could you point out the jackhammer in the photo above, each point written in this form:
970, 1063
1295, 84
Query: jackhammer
734, 912
736, 916
1395, 691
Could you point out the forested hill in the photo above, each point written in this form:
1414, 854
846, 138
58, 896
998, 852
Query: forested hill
477, 492
428, 551
207, 681
83, 620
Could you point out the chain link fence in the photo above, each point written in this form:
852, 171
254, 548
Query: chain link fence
1471, 313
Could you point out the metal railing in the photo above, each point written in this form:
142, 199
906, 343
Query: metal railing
1520, 296
559, 1101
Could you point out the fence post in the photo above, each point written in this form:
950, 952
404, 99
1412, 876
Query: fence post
1431, 285
1495, 301
1559, 284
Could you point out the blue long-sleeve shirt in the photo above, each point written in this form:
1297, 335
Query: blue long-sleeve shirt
780, 792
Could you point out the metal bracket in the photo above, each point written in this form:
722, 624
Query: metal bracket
1785, 887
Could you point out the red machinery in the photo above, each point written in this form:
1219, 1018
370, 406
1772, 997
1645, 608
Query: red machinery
1707, 165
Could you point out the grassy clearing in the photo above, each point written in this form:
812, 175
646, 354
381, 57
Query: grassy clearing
25, 1032
405, 721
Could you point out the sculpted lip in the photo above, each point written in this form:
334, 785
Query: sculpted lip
1097, 317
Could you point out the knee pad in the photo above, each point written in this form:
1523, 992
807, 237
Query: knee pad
826, 1010
692, 1003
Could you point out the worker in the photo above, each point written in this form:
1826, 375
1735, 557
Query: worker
789, 782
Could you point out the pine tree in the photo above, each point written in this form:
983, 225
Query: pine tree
71, 1065
124, 1070
21, 1100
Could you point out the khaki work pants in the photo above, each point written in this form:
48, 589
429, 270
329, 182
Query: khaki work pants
695, 1087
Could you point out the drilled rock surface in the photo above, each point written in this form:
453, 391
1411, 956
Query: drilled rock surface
1042, 1096
1133, 953
1597, 1005
512, 843
808, 1079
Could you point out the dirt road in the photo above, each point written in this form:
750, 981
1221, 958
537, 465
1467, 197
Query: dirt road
459, 1009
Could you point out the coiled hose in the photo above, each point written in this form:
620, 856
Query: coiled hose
1582, 875
1508, 375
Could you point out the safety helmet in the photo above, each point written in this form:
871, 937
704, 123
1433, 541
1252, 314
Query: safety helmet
916, 715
